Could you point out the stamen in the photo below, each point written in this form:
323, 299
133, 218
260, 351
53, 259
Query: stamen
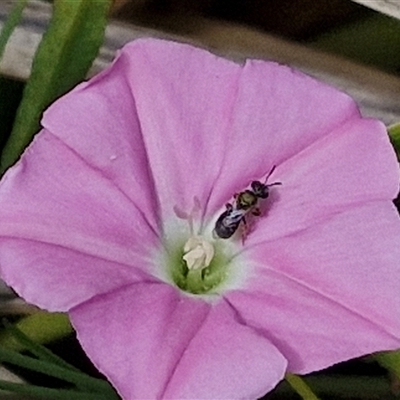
190, 217
198, 253
199, 267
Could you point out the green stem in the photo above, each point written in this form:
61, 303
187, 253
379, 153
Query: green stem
301, 387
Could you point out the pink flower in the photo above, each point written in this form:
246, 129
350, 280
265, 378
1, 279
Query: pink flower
109, 216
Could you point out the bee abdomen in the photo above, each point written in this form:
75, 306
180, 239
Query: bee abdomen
225, 227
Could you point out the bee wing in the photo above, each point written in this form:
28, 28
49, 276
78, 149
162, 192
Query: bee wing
235, 216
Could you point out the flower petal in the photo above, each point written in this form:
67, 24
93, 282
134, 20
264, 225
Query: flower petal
53, 200
99, 122
207, 116
278, 113
179, 97
329, 293
153, 342
58, 278
226, 360
137, 334
353, 165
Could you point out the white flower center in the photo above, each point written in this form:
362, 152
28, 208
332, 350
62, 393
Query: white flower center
196, 262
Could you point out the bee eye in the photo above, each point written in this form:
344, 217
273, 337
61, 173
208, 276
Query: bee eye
256, 186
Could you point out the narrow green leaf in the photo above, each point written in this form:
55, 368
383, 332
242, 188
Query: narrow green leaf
35, 348
42, 327
300, 387
53, 394
63, 58
12, 21
77, 378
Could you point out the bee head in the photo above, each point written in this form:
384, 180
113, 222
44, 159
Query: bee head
260, 189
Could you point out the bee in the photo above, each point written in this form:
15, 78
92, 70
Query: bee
245, 202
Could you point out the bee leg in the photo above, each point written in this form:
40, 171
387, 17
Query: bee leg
256, 211
244, 227
229, 206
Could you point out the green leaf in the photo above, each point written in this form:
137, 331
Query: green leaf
389, 360
41, 327
394, 135
12, 21
63, 58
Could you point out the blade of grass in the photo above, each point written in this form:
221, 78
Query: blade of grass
300, 387
53, 394
37, 349
82, 380
62, 59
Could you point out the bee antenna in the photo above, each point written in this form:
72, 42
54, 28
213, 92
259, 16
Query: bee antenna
274, 184
269, 174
